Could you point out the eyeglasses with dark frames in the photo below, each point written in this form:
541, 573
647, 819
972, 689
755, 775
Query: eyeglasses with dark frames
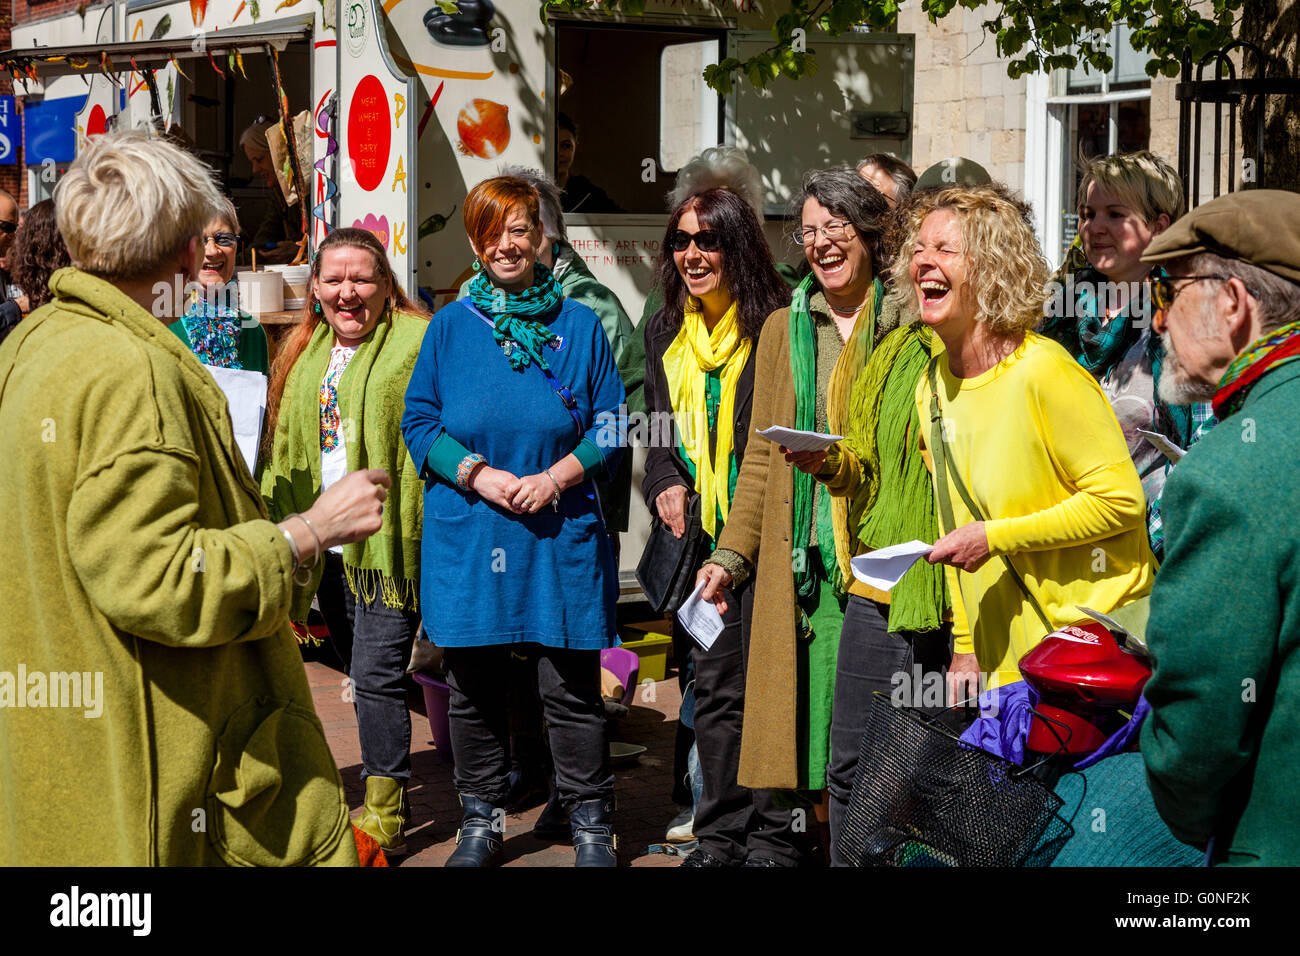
1163, 291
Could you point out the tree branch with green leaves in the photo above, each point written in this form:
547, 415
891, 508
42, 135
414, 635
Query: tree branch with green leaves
1033, 35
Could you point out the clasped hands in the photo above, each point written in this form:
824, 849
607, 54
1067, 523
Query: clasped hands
522, 496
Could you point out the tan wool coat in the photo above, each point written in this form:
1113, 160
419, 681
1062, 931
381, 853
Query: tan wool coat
761, 510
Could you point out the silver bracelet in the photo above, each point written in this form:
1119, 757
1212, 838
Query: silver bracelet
315, 558
555, 502
293, 548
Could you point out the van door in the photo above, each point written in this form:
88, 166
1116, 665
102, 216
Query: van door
375, 127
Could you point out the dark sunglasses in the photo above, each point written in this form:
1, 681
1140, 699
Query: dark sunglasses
1163, 291
7, 226
224, 239
706, 240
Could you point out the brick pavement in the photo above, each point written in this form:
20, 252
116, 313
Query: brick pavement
643, 790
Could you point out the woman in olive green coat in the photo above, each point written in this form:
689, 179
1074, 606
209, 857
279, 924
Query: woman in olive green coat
154, 710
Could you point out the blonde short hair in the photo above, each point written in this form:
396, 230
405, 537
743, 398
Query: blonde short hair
1005, 267
132, 200
1143, 181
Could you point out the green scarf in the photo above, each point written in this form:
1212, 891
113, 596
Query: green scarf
371, 400
803, 369
896, 500
519, 315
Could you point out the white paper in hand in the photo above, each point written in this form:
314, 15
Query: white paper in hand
797, 440
246, 395
1166, 447
700, 618
885, 567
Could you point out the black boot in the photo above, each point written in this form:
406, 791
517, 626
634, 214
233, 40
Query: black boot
478, 841
594, 842
553, 823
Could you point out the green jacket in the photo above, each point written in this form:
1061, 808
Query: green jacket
141, 570
1222, 743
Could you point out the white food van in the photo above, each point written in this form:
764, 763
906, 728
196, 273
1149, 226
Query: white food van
412, 105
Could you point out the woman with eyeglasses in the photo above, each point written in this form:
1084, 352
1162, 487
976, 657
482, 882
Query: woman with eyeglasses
1102, 314
786, 533
213, 327
719, 286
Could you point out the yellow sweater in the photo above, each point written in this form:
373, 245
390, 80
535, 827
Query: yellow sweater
1044, 458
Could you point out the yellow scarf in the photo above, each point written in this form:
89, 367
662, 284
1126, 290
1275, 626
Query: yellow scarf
692, 355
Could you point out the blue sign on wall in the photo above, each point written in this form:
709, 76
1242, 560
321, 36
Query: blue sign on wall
50, 129
8, 132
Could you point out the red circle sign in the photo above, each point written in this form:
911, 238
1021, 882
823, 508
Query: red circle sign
370, 133
97, 121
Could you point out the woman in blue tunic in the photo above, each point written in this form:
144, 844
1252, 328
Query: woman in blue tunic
514, 406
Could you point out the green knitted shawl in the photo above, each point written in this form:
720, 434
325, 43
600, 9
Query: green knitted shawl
895, 502
371, 400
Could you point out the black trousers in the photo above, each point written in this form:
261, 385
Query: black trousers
568, 683
904, 664
733, 822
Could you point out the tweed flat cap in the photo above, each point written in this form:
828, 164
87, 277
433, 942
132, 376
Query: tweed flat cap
1259, 226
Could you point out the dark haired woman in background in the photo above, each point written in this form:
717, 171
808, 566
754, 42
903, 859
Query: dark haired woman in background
719, 286
808, 359
36, 254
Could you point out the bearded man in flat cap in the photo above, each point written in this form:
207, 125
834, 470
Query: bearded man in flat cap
1222, 743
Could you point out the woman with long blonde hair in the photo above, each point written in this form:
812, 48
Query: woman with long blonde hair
1030, 467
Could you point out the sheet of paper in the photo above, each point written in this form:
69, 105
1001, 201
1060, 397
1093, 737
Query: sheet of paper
700, 618
1167, 448
246, 395
885, 567
796, 440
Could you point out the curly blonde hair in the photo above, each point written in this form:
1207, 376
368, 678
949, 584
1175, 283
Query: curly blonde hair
1005, 268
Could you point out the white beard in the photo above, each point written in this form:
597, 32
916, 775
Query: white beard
1176, 386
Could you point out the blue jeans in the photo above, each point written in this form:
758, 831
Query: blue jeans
380, 639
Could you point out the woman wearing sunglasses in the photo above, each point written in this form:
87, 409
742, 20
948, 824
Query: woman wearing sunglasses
808, 359
1103, 313
213, 326
719, 285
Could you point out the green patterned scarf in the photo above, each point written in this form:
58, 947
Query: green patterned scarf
896, 500
518, 316
371, 400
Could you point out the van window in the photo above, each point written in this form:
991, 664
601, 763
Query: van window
641, 108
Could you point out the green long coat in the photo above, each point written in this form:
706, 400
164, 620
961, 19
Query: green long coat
1222, 743
141, 571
